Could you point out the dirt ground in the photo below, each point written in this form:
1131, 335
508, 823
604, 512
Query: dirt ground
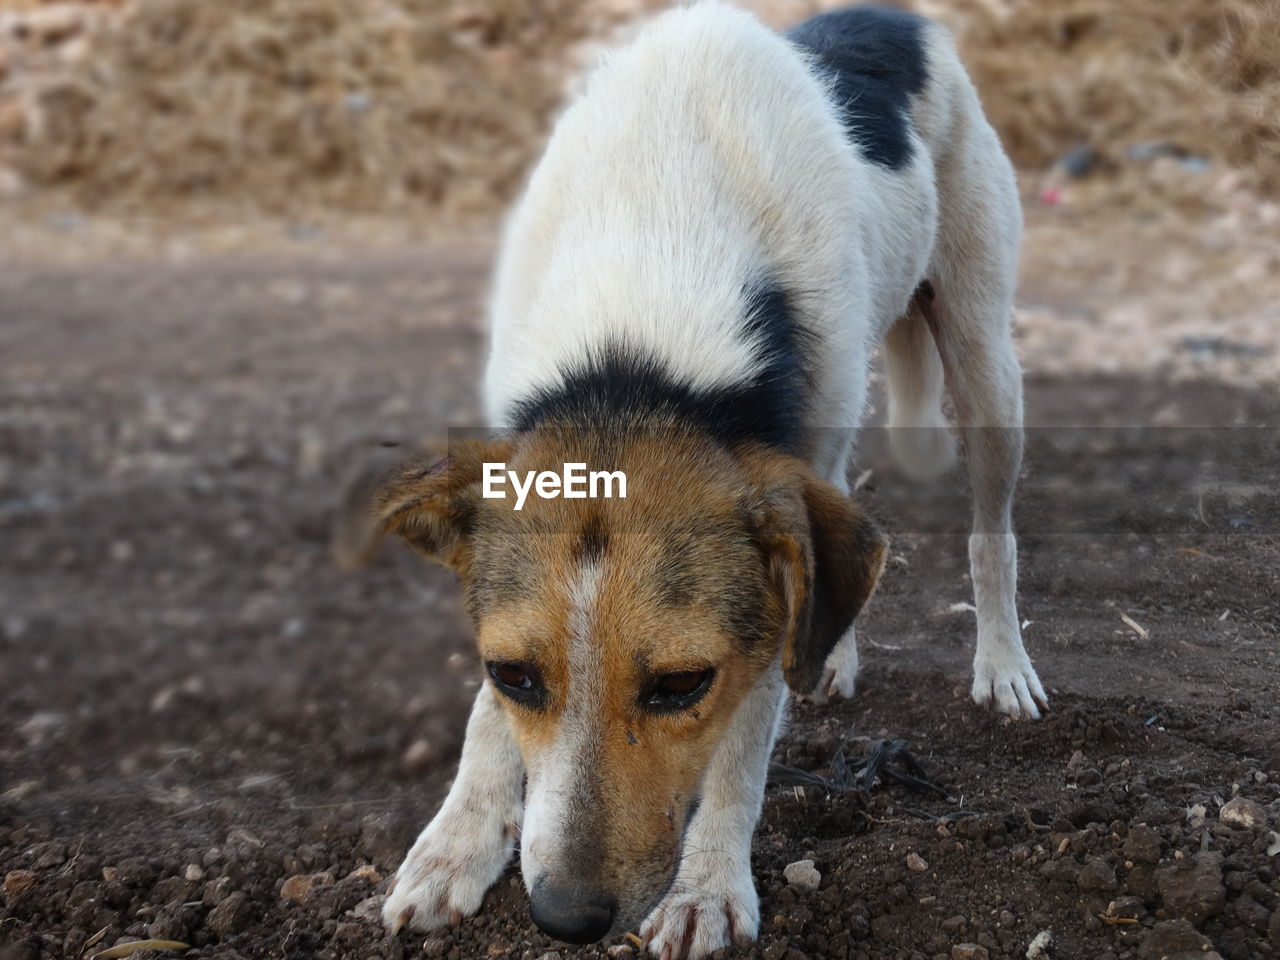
209, 734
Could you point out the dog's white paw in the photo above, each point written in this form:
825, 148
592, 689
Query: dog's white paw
840, 673
701, 914
445, 876
1008, 684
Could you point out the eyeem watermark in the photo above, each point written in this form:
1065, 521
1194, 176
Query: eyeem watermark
575, 482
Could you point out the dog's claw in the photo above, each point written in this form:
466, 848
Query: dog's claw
693, 926
1008, 684
405, 916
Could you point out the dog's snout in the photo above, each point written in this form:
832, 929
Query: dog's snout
571, 912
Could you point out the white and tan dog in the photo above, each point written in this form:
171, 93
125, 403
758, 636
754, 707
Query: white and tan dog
725, 225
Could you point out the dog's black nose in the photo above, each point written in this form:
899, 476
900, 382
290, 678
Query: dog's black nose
571, 912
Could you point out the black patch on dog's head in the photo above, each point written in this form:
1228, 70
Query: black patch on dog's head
876, 57
593, 540
618, 387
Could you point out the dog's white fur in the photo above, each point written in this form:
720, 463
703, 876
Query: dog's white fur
556, 776
706, 153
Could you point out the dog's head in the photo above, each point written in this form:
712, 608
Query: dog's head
622, 634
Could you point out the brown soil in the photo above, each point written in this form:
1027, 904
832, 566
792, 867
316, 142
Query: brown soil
197, 705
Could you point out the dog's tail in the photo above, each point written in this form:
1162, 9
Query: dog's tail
921, 442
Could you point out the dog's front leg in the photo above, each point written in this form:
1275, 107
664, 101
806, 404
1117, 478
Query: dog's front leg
465, 847
713, 902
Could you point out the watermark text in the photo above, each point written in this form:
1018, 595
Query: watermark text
574, 482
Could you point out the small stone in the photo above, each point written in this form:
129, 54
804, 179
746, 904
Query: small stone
1038, 948
1174, 938
1242, 812
1096, 876
1192, 889
20, 881
49, 854
883, 928
916, 862
240, 841
348, 932
232, 915
299, 887
168, 924
802, 875
369, 909
435, 947
418, 757
1142, 845
969, 951
215, 891
365, 872
383, 840
194, 872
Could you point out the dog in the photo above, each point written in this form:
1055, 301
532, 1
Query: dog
724, 226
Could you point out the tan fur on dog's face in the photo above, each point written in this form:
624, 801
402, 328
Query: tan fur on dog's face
601, 599
707, 565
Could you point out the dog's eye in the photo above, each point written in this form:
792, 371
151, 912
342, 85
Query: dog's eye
512, 675
518, 681
678, 691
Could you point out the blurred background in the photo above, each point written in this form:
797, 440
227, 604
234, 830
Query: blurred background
1147, 133
244, 242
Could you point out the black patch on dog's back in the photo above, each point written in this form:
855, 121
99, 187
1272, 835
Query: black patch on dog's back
876, 56
619, 386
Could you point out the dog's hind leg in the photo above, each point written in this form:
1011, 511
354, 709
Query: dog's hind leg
919, 437
466, 846
985, 380
921, 442
970, 318
973, 273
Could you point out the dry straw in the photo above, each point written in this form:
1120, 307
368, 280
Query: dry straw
383, 105
288, 104
1202, 76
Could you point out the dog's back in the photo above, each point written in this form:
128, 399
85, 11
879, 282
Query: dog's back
705, 170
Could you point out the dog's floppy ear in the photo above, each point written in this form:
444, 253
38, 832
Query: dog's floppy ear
430, 501
825, 559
